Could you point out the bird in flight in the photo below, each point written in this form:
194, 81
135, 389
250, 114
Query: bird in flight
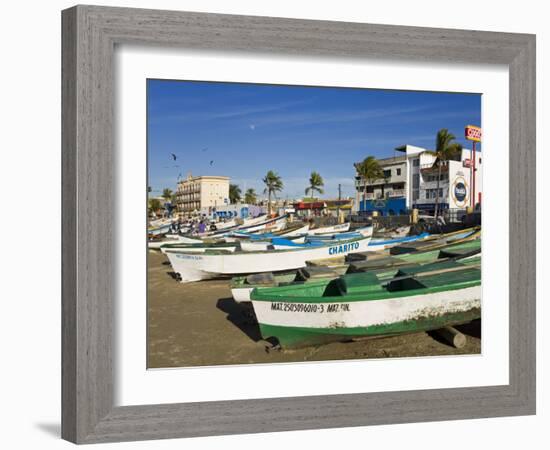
211, 162
174, 157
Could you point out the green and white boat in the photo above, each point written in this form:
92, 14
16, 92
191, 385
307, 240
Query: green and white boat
364, 304
242, 286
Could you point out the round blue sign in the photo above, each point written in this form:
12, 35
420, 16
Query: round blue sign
460, 191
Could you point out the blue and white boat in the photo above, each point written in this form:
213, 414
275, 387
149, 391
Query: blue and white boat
211, 264
382, 244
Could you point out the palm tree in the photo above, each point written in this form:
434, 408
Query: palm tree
369, 170
273, 184
234, 193
316, 183
250, 196
167, 194
445, 149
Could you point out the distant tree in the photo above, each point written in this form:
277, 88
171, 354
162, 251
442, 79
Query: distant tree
445, 149
369, 170
234, 193
154, 205
167, 194
273, 183
250, 196
316, 183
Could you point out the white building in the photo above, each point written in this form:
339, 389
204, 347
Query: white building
410, 181
456, 183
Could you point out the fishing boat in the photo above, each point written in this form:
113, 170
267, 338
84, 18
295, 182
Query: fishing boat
436, 241
431, 242
242, 286
364, 231
211, 263
275, 223
227, 224
362, 304
340, 228
278, 244
273, 244
201, 247
303, 241
382, 244
171, 239
288, 231
161, 229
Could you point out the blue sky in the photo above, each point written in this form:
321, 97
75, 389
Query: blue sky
244, 130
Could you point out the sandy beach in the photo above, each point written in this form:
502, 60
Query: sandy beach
199, 324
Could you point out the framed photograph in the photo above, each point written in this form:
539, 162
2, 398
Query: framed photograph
277, 224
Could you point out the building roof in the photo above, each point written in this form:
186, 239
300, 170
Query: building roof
204, 177
391, 160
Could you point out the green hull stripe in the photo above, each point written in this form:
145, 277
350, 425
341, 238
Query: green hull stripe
294, 337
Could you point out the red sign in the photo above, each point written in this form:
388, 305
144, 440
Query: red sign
472, 133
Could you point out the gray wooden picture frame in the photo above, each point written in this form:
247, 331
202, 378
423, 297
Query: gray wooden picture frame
90, 34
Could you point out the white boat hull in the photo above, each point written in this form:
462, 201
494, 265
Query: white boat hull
241, 294
229, 248
362, 314
258, 246
340, 228
297, 232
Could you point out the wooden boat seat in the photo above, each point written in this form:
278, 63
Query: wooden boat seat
313, 272
266, 278
388, 261
359, 282
433, 275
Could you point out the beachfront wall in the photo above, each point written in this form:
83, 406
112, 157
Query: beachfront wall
239, 210
385, 207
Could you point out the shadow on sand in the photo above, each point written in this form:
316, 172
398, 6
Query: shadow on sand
242, 316
472, 329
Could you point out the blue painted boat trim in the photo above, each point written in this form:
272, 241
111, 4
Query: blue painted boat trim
399, 240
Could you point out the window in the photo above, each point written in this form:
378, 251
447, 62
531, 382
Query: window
398, 171
416, 181
387, 173
416, 162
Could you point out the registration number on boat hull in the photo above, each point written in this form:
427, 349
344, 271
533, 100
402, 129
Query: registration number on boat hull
315, 308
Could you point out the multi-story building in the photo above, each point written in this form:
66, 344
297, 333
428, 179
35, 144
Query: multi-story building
410, 181
196, 193
386, 195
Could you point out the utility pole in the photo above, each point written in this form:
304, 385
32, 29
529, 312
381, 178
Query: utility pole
339, 199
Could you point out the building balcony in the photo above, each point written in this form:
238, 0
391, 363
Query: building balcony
396, 193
